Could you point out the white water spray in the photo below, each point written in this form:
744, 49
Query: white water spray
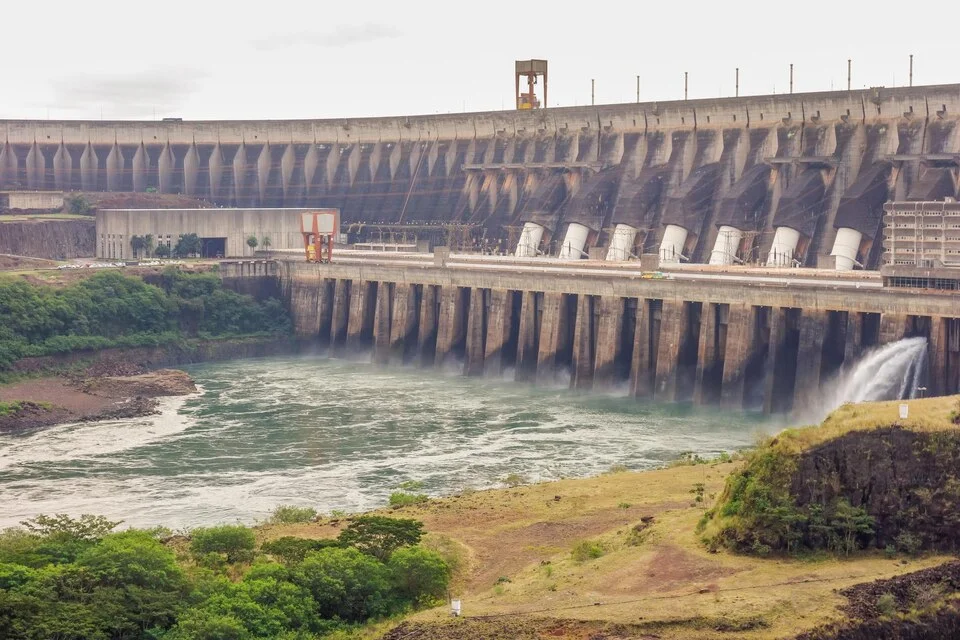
890, 372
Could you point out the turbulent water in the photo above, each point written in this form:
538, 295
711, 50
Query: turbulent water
334, 434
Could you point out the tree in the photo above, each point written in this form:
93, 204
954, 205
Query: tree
265, 243
148, 244
420, 576
87, 527
187, 245
346, 584
252, 242
137, 244
234, 541
380, 536
162, 251
78, 204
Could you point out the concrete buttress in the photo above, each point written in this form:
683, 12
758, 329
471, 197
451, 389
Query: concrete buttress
641, 374
609, 339
341, 314
777, 333
450, 323
405, 318
708, 353
527, 352
382, 323
673, 327
893, 326
476, 333
325, 309
806, 394
499, 321
583, 344
362, 297
740, 322
427, 337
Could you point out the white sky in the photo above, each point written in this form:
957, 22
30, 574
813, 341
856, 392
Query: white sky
295, 59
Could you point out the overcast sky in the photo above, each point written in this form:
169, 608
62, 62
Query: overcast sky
288, 59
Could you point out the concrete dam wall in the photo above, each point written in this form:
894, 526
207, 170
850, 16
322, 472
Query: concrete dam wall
783, 180
769, 346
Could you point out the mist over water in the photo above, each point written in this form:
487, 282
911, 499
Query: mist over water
336, 434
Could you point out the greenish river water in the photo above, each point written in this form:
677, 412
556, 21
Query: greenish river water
336, 434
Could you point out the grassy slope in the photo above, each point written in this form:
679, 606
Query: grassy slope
669, 584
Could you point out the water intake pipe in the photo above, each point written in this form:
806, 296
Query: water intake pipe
846, 247
574, 242
671, 247
529, 241
621, 244
784, 247
725, 248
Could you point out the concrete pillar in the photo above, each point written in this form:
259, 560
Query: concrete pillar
583, 346
499, 320
777, 335
853, 340
740, 322
404, 319
550, 332
383, 323
806, 388
672, 330
450, 325
641, 383
427, 337
340, 315
937, 350
476, 333
362, 296
527, 351
707, 351
325, 309
304, 306
609, 339
893, 327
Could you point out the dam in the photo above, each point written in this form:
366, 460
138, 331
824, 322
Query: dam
777, 180
755, 339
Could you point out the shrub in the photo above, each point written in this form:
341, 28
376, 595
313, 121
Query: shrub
291, 550
404, 499
587, 550
419, 576
887, 604
78, 204
234, 541
290, 514
379, 536
908, 543
346, 584
86, 527
514, 480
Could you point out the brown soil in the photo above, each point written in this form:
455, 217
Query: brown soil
86, 398
517, 629
21, 263
136, 200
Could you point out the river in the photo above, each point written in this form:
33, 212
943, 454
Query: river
339, 435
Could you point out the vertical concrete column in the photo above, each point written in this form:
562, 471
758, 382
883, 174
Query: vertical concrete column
383, 323
740, 321
893, 326
450, 322
341, 314
641, 384
549, 333
359, 299
325, 309
609, 339
527, 339
853, 339
427, 338
806, 388
583, 351
707, 350
777, 334
672, 329
304, 305
476, 333
937, 350
499, 320
404, 319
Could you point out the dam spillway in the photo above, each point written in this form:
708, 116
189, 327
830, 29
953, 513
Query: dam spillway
753, 340
784, 180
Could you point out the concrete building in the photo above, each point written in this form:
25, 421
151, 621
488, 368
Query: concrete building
922, 234
223, 232
31, 200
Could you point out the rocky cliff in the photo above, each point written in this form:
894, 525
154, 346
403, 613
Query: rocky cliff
51, 239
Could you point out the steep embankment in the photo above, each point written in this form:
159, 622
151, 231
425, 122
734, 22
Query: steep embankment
50, 239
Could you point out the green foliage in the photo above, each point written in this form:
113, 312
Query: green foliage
252, 242
10, 408
291, 550
757, 513
587, 550
78, 204
887, 604
380, 536
419, 575
236, 542
188, 244
411, 485
71, 579
514, 480
291, 514
404, 499
109, 309
162, 251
